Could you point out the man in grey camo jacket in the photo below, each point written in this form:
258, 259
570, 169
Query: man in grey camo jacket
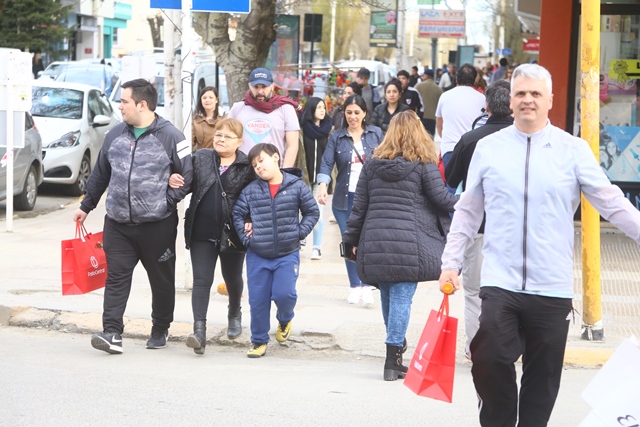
134, 164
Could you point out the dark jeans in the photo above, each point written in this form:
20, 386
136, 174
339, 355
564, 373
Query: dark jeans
445, 160
514, 324
204, 255
154, 244
341, 218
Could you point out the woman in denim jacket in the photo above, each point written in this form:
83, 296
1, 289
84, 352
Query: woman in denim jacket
348, 149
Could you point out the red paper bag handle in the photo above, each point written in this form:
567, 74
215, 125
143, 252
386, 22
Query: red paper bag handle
444, 307
81, 231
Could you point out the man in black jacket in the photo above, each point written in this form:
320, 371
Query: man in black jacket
499, 112
136, 160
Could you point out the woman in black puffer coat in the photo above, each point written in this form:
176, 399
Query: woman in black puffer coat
204, 220
398, 223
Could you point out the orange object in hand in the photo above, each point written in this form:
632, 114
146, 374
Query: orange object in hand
447, 288
222, 289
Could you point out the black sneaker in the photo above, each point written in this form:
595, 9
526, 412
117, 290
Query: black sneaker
111, 342
158, 338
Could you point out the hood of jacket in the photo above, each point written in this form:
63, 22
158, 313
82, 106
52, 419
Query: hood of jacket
392, 170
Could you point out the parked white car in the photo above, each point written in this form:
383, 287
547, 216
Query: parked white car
73, 120
114, 98
27, 168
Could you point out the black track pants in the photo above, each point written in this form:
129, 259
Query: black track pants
154, 244
514, 324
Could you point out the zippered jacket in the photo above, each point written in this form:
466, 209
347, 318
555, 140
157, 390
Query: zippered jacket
277, 227
529, 186
237, 176
339, 152
399, 221
137, 171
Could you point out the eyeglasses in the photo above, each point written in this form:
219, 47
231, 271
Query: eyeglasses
222, 136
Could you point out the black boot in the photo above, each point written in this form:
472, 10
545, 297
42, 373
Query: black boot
234, 329
404, 350
198, 340
393, 368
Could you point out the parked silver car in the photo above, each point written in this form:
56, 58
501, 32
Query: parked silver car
27, 168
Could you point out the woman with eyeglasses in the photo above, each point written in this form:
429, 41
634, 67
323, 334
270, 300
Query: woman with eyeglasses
205, 118
219, 175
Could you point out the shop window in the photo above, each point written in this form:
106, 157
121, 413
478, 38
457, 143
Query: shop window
619, 97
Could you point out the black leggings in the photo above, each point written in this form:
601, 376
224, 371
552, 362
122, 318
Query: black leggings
204, 255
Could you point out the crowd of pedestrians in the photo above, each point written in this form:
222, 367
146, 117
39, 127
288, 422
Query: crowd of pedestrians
501, 162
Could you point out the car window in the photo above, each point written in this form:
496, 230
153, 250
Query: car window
94, 104
59, 103
105, 107
97, 76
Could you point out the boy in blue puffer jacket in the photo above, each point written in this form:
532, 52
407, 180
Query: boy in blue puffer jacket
267, 219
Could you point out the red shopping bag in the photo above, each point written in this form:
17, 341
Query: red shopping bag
84, 264
433, 363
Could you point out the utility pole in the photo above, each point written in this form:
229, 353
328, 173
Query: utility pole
434, 48
332, 43
592, 329
400, 34
184, 80
171, 35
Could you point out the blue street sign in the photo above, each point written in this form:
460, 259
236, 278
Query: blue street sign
221, 6
166, 4
506, 51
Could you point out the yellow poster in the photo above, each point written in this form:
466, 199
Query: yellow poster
623, 70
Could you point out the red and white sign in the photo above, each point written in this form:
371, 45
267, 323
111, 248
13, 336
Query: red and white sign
531, 45
441, 23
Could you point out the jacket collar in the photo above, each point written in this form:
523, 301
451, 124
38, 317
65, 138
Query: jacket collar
535, 137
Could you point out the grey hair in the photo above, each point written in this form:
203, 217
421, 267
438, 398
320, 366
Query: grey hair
498, 100
533, 71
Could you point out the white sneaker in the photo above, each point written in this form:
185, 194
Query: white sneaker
316, 254
355, 295
367, 296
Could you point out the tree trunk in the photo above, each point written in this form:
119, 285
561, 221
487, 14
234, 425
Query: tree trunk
255, 33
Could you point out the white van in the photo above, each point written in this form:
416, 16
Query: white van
381, 73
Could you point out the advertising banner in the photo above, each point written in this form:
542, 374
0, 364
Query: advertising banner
384, 25
620, 153
286, 48
441, 24
531, 46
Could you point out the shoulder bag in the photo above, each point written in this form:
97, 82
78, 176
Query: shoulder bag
229, 240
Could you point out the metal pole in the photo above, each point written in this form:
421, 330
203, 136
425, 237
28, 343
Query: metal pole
169, 88
332, 47
10, 158
400, 63
187, 88
590, 118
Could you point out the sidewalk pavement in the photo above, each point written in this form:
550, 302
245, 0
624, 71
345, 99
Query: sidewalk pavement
30, 296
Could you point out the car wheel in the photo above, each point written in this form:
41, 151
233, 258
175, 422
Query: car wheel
26, 200
77, 189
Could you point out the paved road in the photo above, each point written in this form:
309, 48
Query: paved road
50, 198
55, 379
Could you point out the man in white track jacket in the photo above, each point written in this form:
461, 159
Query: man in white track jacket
528, 178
